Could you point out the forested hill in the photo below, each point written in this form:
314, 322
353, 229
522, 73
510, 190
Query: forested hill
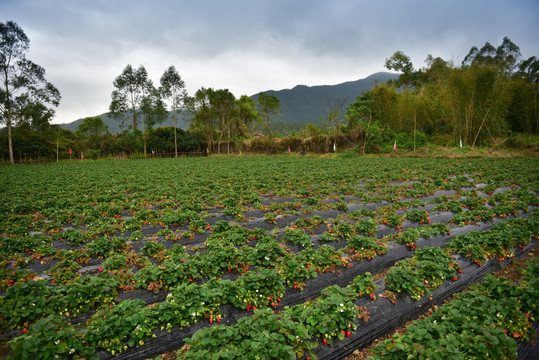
308, 104
299, 105
113, 125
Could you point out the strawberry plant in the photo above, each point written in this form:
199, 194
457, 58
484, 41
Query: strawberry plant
362, 285
133, 224
268, 252
153, 249
365, 247
73, 237
26, 302
479, 323
12, 277
103, 246
297, 237
295, 270
255, 288
50, 338
125, 325
266, 334
329, 236
420, 216
326, 317
84, 294
424, 272
389, 216
152, 278
64, 271
366, 226
136, 235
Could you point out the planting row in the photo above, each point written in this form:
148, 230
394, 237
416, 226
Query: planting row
99, 257
131, 322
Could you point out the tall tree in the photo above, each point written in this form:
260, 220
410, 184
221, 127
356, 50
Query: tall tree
269, 106
173, 90
153, 110
358, 110
23, 84
204, 120
223, 103
92, 126
505, 57
130, 89
246, 115
333, 108
401, 62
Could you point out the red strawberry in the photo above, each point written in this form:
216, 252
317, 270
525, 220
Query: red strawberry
100, 269
454, 278
325, 341
348, 333
24, 331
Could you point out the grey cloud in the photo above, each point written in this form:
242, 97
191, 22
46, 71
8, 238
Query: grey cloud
252, 45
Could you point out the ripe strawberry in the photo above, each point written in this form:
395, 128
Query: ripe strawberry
100, 269
325, 341
348, 333
24, 331
454, 278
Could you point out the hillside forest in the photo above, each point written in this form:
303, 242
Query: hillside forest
491, 97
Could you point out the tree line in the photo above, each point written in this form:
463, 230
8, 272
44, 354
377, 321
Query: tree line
491, 94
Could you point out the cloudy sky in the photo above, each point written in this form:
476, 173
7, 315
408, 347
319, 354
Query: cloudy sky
248, 46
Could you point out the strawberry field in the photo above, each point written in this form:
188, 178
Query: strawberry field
260, 257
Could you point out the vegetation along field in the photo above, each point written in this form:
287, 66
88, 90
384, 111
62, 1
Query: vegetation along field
259, 257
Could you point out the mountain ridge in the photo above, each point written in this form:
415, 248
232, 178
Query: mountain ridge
300, 105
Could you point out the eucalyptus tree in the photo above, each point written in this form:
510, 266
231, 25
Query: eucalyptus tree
204, 120
173, 90
23, 87
269, 106
401, 63
92, 126
246, 115
131, 85
490, 70
333, 108
153, 110
223, 103
357, 111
